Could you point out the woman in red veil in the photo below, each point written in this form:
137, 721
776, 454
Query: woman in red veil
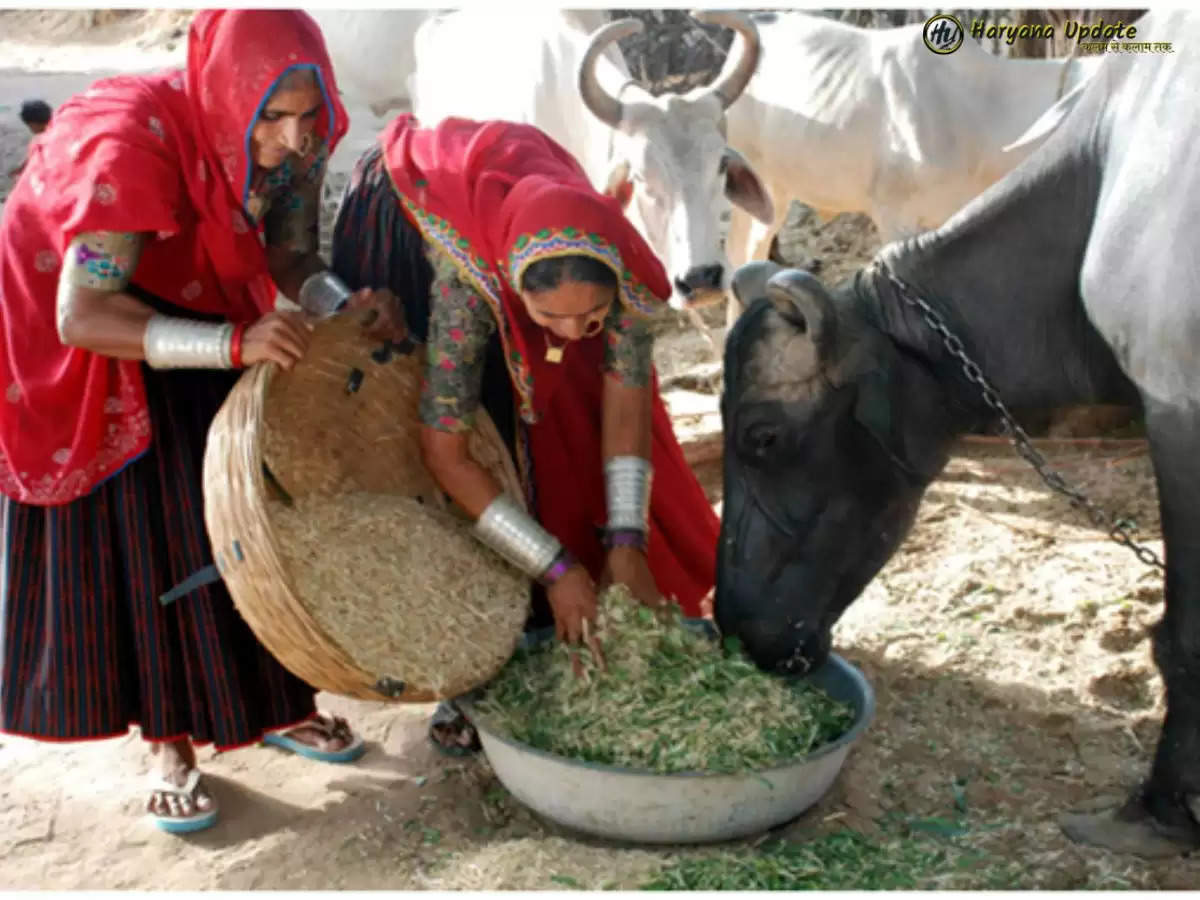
140, 254
532, 294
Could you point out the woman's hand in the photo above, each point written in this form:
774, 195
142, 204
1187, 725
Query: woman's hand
573, 602
387, 323
628, 566
279, 337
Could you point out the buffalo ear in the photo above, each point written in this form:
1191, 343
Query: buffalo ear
750, 280
802, 300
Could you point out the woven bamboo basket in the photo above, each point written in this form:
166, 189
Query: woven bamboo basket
334, 541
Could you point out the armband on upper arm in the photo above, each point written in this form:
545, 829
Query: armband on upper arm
98, 261
102, 260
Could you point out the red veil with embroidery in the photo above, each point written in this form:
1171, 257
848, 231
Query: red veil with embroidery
167, 154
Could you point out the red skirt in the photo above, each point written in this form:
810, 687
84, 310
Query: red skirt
568, 470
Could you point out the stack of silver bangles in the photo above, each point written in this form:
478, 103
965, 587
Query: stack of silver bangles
627, 482
170, 342
515, 535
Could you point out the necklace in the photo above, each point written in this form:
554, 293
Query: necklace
553, 354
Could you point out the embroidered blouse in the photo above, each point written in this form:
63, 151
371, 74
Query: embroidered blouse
460, 325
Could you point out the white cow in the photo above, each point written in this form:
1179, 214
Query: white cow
559, 70
372, 54
491, 63
849, 119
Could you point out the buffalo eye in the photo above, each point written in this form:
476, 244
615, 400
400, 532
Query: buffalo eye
723, 165
760, 439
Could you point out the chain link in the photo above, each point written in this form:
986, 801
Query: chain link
1120, 530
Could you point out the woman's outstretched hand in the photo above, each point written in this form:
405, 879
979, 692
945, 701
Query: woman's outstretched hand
629, 566
573, 602
280, 337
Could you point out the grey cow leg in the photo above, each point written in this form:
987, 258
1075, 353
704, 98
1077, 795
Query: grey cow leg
1163, 817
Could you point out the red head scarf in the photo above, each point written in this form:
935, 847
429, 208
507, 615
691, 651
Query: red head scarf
167, 154
498, 196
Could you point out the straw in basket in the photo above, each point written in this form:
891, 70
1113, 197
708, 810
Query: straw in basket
335, 543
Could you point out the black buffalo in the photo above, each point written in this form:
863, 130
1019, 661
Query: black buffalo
1074, 280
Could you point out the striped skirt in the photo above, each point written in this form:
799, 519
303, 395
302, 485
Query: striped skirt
87, 649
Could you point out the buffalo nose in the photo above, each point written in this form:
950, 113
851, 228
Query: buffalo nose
781, 647
700, 278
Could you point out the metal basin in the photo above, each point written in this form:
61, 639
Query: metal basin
646, 807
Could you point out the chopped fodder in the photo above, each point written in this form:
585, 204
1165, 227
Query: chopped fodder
838, 861
404, 589
671, 700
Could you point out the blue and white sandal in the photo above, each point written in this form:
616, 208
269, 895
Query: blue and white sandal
183, 824
339, 728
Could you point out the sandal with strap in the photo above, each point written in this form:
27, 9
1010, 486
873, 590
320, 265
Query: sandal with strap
451, 733
183, 824
331, 727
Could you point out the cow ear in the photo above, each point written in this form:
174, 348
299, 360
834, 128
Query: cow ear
744, 188
619, 185
803, 301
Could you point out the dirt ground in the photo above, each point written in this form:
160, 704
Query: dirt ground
1006, 642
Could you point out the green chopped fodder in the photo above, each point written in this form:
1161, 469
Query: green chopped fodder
671, 700
840, 861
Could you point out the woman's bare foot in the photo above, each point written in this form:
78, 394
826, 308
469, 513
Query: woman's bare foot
178, 759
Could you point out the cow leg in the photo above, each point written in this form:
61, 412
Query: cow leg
698, 323
737, 251
1163, 816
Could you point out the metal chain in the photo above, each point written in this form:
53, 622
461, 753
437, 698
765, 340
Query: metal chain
1120, 530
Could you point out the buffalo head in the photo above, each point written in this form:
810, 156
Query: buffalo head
832, 434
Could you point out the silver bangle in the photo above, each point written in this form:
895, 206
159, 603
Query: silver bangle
515, 535
627, 485
323, 294
173, 343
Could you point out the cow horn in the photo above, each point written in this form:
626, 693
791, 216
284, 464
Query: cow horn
604, 106
734, 76
750, 280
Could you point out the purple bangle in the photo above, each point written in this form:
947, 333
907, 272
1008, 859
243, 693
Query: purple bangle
625, 537
558, 568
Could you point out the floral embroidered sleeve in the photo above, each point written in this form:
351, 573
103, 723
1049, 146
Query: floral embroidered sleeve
628, 348
460, 325
292, 207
